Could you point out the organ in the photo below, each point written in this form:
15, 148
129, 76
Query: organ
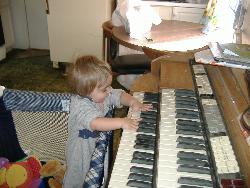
194, 136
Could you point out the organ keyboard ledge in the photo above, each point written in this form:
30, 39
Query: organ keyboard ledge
198, 142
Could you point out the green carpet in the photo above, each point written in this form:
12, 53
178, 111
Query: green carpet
31, 73
26, 71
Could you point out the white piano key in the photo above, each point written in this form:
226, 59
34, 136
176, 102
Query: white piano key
171, 175
173, 184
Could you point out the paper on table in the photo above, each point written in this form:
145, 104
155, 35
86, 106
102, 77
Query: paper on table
206, 57
235, 53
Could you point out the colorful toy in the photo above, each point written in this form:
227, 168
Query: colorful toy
3, 162
55, 170
23, 174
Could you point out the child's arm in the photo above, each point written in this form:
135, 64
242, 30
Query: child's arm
128, 100
107, 124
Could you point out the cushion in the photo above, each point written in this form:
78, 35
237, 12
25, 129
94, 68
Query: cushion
131, 64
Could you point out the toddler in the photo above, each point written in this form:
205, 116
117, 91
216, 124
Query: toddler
91, 80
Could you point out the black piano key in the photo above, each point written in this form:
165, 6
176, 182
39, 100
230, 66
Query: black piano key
148, 116
190, 140
146, 130
149, 113
189, 100
140, 177
185, 106
192, 162
151, 97
184, 132
147, 125
191, 155
193, 169
142, 161
188, 122
146, 137
139, 184
138, 154
186, 116
146, 120
145, 142
182, 92
184, 102
190, 146
195, 181
151, 94
141, 170
189, 186
188, 128
151, 100
144, 147
188, 112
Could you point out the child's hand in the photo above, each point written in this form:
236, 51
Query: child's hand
138, 106
131, 124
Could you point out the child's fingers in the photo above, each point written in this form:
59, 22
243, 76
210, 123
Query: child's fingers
135, 123
134, 127
129, 114
137, 119
147, 107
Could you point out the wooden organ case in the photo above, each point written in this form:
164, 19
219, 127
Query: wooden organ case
222, 94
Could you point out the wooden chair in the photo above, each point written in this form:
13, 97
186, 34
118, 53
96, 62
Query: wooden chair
124, 64
107, 35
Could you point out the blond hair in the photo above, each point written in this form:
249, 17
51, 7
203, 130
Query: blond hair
86, 73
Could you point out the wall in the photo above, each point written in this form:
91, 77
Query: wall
246, 26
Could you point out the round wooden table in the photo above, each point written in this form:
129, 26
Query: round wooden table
169, 35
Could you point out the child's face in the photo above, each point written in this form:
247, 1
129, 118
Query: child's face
100, 93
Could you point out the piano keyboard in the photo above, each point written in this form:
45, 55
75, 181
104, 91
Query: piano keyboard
214, 120
183, 159
179, 148
134, 163
225, 165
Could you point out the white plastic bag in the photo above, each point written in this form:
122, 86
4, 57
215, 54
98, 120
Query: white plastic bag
136, 17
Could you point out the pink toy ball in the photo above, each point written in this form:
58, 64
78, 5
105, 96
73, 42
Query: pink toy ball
3, 162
